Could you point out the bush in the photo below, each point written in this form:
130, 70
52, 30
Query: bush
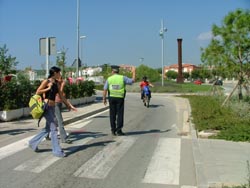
16, 94
9, 100
208, 114
80, 89
90, 88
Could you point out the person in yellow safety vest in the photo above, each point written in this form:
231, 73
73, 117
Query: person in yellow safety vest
115, 86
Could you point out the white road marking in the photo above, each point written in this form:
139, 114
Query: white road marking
97, 114
38, 164
164, 167
43, 160
22, 144
77, 124
101, 164
76, 144
14, 147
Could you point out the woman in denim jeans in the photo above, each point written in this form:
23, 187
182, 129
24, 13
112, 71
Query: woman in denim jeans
58, 113
50, 87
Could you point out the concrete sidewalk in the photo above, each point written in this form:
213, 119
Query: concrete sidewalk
220, 163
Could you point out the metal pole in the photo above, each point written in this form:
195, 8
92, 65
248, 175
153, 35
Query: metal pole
47, 57
162, 55
77, 54
162, 51
141, 60
81, 49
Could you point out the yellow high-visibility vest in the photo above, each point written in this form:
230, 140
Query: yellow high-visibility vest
116, 86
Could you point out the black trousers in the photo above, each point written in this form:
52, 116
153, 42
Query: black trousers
116, 113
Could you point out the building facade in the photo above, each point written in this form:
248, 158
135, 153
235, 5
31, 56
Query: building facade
185, 68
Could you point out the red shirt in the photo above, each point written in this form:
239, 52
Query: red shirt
144, 83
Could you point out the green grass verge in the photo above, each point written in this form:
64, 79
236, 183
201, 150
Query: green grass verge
208, 114
172, 87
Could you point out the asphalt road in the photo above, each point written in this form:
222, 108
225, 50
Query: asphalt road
155, 153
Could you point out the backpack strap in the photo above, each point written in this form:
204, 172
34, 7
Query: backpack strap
44, 108
40, 118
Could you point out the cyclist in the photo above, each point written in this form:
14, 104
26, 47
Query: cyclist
145, 83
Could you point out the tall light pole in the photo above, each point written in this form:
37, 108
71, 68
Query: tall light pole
77, 53
82, 37
141, 60
162, 31
59, 60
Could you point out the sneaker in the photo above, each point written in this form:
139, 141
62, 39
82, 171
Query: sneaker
35, 150
61, 155
113, 133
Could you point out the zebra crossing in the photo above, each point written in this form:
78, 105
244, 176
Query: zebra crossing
101, 164
163, 167
43, 160
165, 163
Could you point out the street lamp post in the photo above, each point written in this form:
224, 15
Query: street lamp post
59, 55
77, 53
82, 37
141, 60
162, 31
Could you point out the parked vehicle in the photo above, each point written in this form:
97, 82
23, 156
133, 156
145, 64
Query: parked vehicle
218, 82
198, 82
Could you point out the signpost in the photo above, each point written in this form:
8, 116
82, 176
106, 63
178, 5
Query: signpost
47, 47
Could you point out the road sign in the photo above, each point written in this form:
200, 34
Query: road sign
51, 46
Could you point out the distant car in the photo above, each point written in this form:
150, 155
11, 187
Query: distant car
198, 82
218, 82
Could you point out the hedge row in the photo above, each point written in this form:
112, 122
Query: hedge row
16, 94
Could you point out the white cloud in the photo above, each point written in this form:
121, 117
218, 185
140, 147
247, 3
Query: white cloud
205, 36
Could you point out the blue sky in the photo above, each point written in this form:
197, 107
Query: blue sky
117, 31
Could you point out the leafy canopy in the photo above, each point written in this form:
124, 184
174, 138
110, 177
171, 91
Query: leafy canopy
229, 49
7, 62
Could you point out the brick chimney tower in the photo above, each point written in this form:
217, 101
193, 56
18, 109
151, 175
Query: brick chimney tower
180, 77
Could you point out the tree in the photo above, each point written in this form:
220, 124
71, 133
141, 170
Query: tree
61, 60
229, 50
144, 70
7, 62
127, 73
196, 74
186, 75
172, 74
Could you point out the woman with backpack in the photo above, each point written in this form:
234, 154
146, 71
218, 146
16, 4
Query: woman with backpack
50, 88
64, 138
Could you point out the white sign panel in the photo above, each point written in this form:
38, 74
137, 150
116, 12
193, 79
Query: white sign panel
51, 46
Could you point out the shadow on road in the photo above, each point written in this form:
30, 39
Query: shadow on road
147, 132
16, 131
155, 105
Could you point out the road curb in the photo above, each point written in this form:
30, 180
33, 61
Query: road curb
201, 179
